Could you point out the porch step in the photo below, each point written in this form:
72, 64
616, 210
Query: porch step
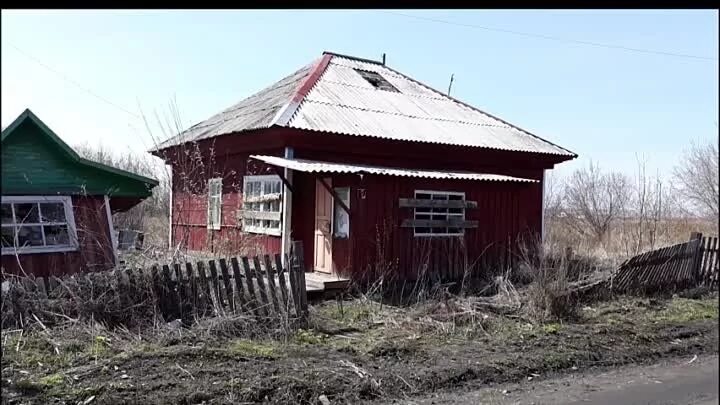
320, 282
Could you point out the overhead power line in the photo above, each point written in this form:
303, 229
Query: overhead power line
73, 82
554, 38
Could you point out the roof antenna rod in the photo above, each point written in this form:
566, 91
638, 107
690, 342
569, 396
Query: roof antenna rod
383, 59
452, 76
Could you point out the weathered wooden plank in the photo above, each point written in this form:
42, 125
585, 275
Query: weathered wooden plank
713, 262
294, 283
205, 287
714, 267
705, 268
228, 286
173, 300
216, 284
239, 292
696, 260
254, 303
265, 215
271, 284
679, 273
260, 278
425, 203
439, 223
181, 289
708, 254
158, 289
195, 303
299, 268
286, 299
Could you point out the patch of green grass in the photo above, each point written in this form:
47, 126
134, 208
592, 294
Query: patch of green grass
551, 328
99, 347
683, 310
251, 348
52, 380
347, 312
309, 337
31, 350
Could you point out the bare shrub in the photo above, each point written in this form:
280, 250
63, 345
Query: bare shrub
595, 199
549, 296
82, 297
156, 206
696, 177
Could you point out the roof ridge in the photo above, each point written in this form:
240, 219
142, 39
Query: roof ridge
72, 153
376, 62
285, 114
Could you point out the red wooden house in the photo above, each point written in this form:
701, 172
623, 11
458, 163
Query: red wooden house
56, 206
369, 168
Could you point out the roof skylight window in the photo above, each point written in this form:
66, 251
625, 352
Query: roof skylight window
377, 80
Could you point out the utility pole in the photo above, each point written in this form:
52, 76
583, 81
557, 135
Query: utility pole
452, 76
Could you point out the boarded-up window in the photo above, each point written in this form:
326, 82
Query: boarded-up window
262, 200
341, 219
214, 203
439, 213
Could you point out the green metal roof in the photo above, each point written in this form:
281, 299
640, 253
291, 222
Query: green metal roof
36, 161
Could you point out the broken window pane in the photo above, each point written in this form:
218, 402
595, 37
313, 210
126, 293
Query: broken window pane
52, 212
7, 217
8, 236
30, 236
26, 213
57, 235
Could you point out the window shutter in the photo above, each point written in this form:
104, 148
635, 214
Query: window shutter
214, 203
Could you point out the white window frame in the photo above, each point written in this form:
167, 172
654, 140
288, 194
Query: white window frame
211, 224
69, 221
337, 208
263, 179
436, 192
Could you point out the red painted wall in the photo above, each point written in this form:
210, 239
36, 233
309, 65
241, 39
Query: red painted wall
506, 211
189, 204
95, 251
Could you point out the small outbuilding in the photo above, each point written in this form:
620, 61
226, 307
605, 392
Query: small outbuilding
374, 171
56, 206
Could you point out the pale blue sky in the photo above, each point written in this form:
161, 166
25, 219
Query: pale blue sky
604, 104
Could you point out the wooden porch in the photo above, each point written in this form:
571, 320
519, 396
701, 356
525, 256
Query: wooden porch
322, 283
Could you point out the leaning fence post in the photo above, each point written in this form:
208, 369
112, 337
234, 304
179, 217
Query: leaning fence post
298, 265
696, 243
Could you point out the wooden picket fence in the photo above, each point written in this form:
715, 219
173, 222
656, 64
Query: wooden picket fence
258, 287
684, 265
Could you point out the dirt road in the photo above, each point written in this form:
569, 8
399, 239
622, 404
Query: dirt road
668, 383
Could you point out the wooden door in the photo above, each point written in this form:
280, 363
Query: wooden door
323, 228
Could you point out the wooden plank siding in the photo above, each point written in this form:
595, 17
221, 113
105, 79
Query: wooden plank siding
94, 253
505, 211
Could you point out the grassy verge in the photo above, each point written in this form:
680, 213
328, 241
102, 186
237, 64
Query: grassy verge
354, 352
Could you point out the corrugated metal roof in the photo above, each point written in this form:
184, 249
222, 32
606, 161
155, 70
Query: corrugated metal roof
254, 112
343, 102
316, 166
